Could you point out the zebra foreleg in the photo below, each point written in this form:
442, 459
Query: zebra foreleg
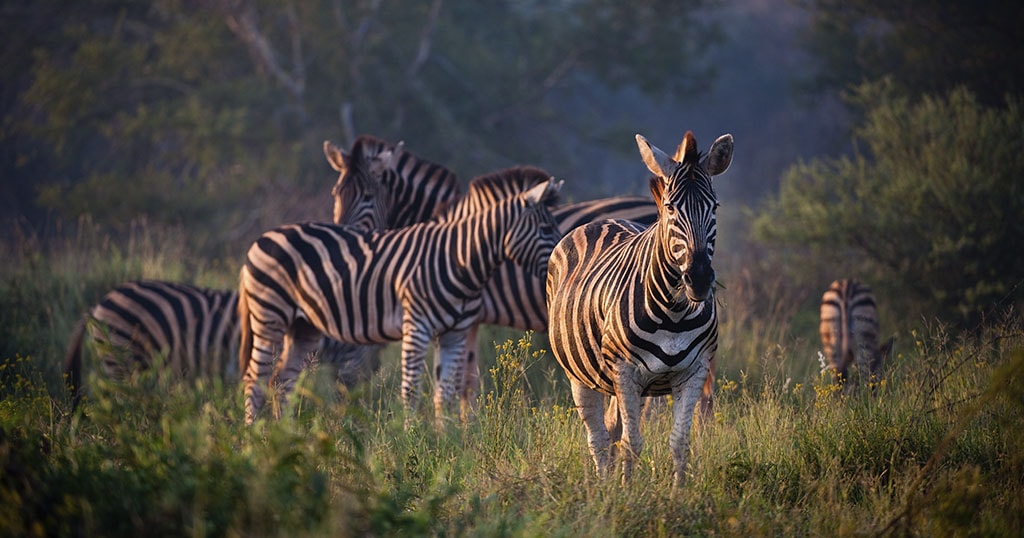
627, 398
415, 342
684, 396
471, 379
590, 405
450, 373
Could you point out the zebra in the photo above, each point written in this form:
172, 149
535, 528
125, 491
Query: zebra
512, 298
849, 333
412, 284
195, 330
633, 311
366, 196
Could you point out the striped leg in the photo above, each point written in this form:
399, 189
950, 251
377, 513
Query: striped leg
627, 396
685, 396
415, 342
590, 405
266, 345
450, 369
301, 341
471, 379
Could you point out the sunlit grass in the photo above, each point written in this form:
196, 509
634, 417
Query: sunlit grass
932, 449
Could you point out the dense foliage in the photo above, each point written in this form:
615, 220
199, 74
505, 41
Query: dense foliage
213, 113
927, 210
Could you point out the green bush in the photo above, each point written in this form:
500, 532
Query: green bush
926, 210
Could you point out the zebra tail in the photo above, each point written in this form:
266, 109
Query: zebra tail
245, 344
73, 363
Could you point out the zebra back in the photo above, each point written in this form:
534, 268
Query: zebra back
849, 331
190, 329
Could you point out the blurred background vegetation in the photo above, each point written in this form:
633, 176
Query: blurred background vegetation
878, 140
873, 141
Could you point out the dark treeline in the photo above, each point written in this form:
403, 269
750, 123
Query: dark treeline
210, 115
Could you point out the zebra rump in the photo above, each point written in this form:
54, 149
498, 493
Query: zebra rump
849, 333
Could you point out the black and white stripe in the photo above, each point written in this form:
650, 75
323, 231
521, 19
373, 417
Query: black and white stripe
413, 284
190, 329
632, 310
368, 196
849, 333
194, 330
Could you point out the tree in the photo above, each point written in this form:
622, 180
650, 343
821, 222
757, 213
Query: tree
927, 210
213, 112
925, 46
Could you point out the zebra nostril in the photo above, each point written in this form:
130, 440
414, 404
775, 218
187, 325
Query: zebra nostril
687, 279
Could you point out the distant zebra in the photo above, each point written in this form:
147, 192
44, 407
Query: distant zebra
411, 284
849, 333
194, 330
632, 310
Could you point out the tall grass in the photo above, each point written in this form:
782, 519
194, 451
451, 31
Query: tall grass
932, 450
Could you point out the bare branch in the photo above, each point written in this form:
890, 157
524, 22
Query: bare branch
426, 38
241, 20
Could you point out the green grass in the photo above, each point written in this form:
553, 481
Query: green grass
934, 452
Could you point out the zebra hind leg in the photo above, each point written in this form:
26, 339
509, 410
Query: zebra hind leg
450, 371
300, 343
590, 405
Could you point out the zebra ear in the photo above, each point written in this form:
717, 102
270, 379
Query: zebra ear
657, 161
719, 156
389, 157
335, 156
658, 191
542, 192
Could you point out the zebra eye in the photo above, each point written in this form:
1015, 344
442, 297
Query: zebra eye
670, 208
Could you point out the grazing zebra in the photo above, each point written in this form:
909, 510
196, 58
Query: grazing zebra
849, 333
632, 310
194, 330
413, 284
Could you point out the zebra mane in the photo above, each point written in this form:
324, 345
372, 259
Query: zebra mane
367, 147
499, 185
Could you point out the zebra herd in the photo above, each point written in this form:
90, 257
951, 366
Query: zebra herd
628, 291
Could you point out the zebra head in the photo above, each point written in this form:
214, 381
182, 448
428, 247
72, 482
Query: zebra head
686, 201
360, 194
530, 240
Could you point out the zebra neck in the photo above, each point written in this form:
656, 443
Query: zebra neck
480, 251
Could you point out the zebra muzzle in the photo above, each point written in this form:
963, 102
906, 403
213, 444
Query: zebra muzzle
698, 278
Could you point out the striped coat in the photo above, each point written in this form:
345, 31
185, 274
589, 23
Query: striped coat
632, 311
193, 330
849, 333
412, 284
